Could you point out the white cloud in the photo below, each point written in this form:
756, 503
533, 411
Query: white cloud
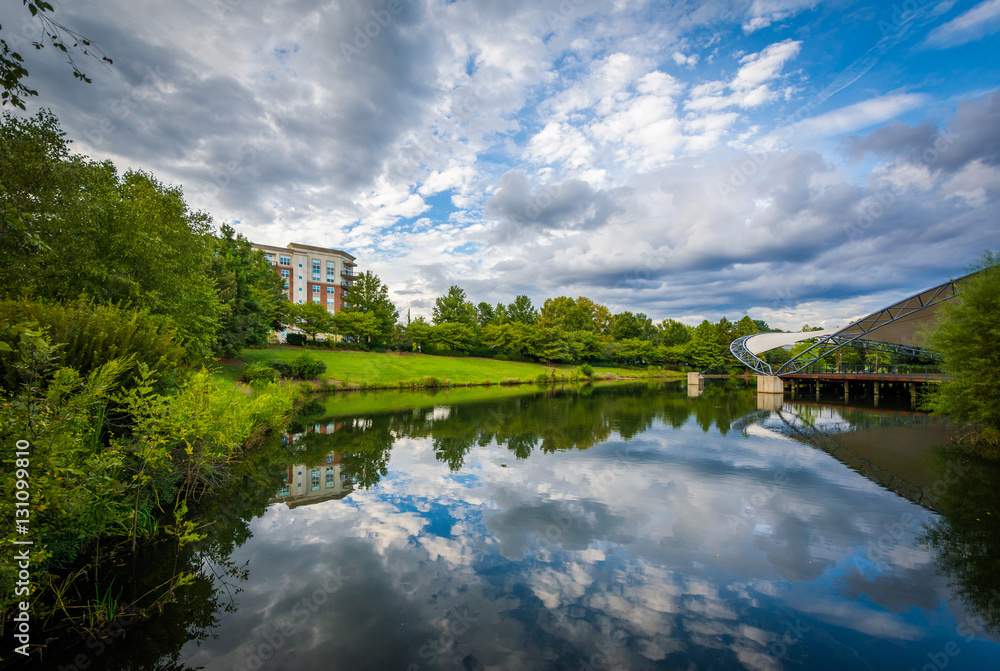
974, 24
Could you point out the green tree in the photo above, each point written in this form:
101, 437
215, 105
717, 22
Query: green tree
706, 346
485, 314
454, 308
452, 337
625, 325
252, 294
521, 311
673, 332
359, 326
419, 332
311, 318
968, 337
76, 227
368, 295
745, 327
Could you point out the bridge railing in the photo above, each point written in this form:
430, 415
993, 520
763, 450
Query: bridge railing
914, 371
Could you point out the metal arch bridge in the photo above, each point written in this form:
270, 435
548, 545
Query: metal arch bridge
891, 329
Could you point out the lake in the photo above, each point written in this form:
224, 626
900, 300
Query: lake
639, 526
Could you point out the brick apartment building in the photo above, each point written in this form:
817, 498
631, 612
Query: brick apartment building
314, 274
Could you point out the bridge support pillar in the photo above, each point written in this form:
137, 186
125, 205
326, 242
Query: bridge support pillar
817, 389
913, 395
769, 384
694, 378
847, 392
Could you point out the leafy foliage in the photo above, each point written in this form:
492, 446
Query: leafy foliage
76, 227
967, 335
89, 336
252, 294
369, 296
12, 70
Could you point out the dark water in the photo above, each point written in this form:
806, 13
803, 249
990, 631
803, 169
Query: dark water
619, 527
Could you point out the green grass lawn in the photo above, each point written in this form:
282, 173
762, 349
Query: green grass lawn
390, 369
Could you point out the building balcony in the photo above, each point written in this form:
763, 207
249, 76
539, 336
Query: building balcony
346, 284
347, 273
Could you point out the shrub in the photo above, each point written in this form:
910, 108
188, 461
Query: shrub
259, 372
296, 339
305, 367
543, 378
586, 370
88, 335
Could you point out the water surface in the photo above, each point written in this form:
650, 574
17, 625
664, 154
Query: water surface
637, 527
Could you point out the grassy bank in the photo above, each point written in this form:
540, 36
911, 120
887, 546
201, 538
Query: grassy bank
392, 370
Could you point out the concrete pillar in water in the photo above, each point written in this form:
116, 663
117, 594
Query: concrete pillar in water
817, 390
876, 392
847, 392
913, 395
696, 385
770, 384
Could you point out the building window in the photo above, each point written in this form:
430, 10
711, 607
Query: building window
300, 265
329, 290
315, 479
329, 478
315, 267
330, 303
331, 271
315, 288
284, 260
269, 258
285, 490
285, 273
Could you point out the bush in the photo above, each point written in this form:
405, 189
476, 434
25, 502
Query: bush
305, 367
259, 372
296, 339
88, 336
543, 378
586, 370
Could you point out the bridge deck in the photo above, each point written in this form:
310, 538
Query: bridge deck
880, 377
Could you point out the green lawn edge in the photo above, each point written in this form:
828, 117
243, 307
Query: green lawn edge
374, 370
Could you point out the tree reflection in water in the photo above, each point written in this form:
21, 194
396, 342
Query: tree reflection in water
967, 538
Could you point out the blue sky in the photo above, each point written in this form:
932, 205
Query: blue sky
801, 161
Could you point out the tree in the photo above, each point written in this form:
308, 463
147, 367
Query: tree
673, 333
252, 294
75, 227
368, 295
967, 335
705, 347
12, 70
521, 310
600, 315
485, 314
455, 308
452, 337
762, 326
626, 325
360, 326
311, 318
420, 334
745, 327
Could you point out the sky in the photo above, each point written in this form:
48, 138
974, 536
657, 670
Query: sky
795, 160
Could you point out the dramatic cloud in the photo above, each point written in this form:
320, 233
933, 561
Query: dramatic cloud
686, 160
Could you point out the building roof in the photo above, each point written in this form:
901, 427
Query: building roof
298, 245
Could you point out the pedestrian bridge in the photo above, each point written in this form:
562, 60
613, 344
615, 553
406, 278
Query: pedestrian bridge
895, 328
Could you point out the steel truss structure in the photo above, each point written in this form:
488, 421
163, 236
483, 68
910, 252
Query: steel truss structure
899, 322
